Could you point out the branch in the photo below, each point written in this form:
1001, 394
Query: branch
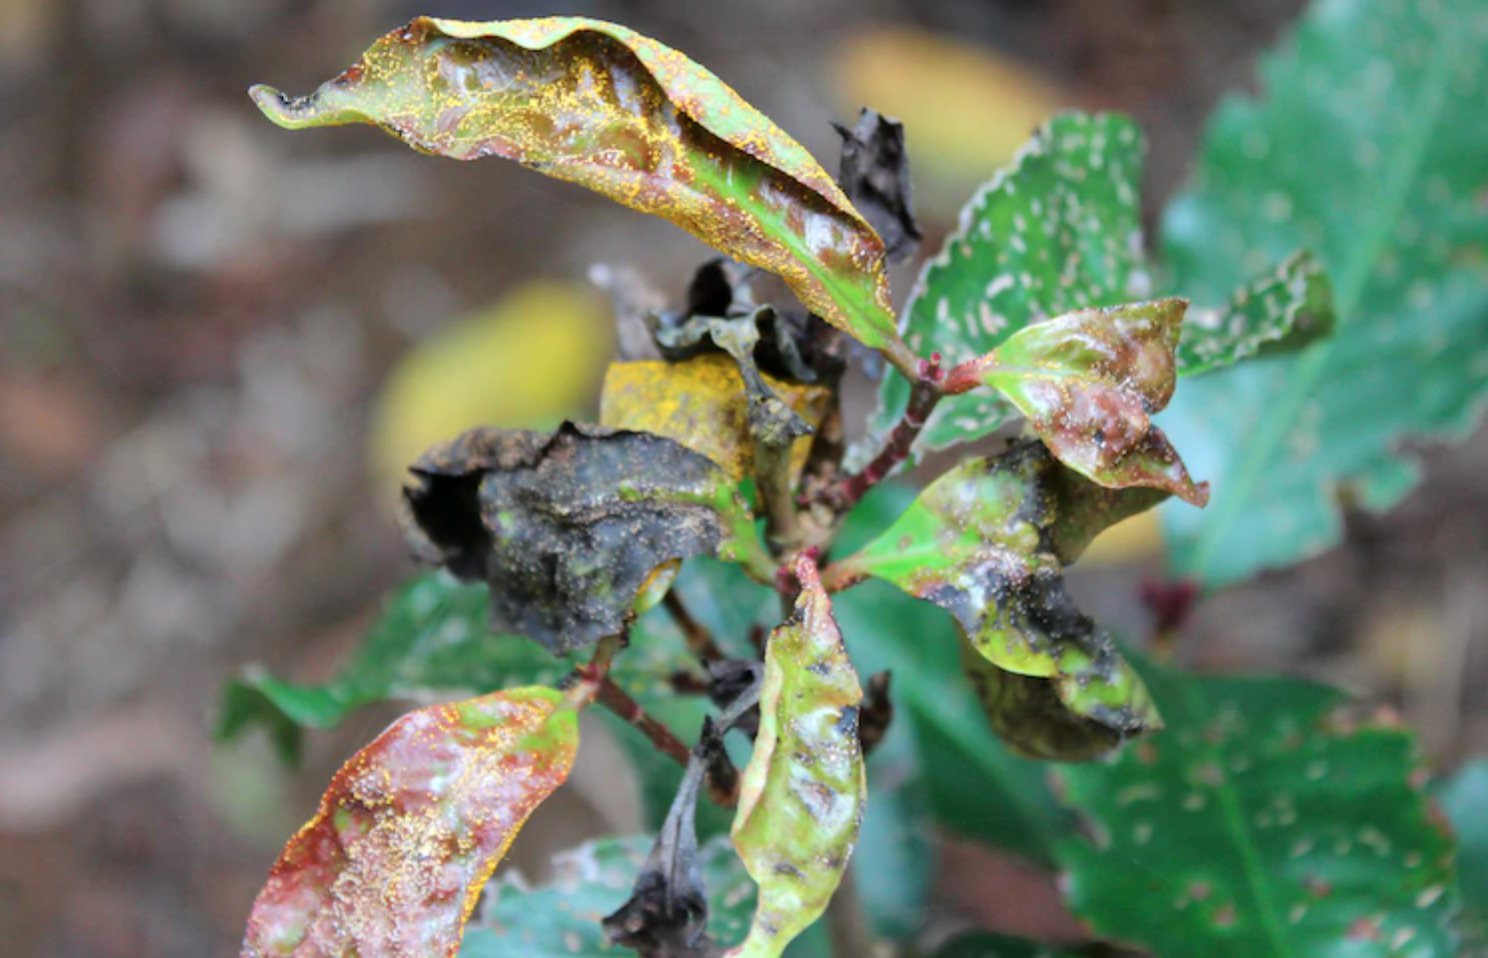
618, 701
924, 395
699, 640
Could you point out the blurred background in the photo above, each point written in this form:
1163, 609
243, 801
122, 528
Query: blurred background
220, 342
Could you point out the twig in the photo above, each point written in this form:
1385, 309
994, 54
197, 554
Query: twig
617, 700
924, 395
776, 428
699, 640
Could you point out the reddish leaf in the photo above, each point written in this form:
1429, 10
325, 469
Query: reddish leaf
411, 829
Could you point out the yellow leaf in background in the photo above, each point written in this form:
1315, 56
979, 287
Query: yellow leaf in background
1134, 540
966, 110
528, 360
701, 404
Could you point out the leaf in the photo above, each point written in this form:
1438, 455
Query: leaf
1367, 148
1265, 822
597, 104
874, 173
1059, 231
894, 857
412, 827
984, 945
1464, 797
1087, 382
701, 404
561, 919
988, 542
568, 530
528, 360
801, 796
1284, 308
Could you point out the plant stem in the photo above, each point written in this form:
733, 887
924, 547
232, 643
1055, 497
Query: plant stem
618, 701
776, 429
924, 395
699, 640
593, 674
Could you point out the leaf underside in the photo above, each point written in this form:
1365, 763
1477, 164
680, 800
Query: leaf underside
1264, 822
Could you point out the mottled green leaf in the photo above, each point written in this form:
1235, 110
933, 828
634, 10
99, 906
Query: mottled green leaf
1057, 232
561, 919
984, 945
1283, 308
1088, 382
988, 542
1264, 822
599, 105
569, 530
801, 796
1368, 148
1464, 797
412, 827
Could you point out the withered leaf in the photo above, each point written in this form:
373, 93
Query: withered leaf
874, 173
567, 529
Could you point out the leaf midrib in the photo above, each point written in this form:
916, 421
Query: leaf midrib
1408, 158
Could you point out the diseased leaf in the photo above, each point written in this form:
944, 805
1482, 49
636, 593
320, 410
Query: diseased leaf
988, 542
801, 797
874, 173
1368, 148
1464, 798
567, 529
411, 829
1263, 823
1087, 383
599, 105
562, 918
1058, 231
1287, 308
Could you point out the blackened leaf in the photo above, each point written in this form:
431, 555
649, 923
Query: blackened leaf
412, 827
1267, 822
988, 542
569, 529
801, 802
1286, 308
1088, 383
874, 173
597, 104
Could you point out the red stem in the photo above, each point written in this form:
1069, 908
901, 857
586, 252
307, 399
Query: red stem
924, 394
617, 700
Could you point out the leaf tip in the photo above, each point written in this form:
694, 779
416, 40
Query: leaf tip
288, 112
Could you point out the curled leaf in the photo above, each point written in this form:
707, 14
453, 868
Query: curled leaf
988, 542
1088, 383
874, 173
567, 529
412, 827
599, 105
801, 802
1288, 307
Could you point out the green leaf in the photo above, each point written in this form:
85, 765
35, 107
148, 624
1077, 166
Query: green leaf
1265, 822
988, 542
561, 919
576, 532
1057, 232
894, 857
412, 827
984, 945
597, 104
801, 795
1367, 148
1087, 383
1284, 308
1464, 798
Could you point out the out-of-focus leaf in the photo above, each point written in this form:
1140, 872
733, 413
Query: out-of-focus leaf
1367, 148
976, 786
966, 108
984, 945
599, 105
1285, 308
801, 796
412, 827
988, 542
1087, 383
894, 858
562, 918
1059, 231
701, 404
567, 529
1464, 797
1263, 823
529, 360
874, 173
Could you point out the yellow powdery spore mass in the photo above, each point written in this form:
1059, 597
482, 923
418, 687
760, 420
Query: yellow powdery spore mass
701, 404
